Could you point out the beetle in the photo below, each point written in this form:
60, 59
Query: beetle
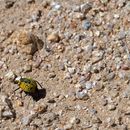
28, 85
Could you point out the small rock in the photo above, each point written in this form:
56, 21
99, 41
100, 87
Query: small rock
26, 120
6, 108
104, 1
61, 66
99, 86
61, 48
45, 4
122, 127
89, 85
125, 67
53, 37
110, 121
77, 121
111, 107
83, 95
72, 120
56, 6
27, 68
71, 70
39, 109
78, 15
86, 24
121, 35
30, 1
110, 76
1, 64
19, 103
68, 126
85, 7
11, 75
113, 93
13, 49
127, 111
28, 42
51, 101
49, 118
52, 75
7, 114
95, 119
67, 75
104, 102
36, 16
9, 3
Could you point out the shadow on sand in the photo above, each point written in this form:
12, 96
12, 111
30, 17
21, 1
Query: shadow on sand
41, 93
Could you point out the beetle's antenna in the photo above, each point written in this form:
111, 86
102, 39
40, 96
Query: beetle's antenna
39, 84
16, 89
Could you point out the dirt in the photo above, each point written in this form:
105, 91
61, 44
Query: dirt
79, 53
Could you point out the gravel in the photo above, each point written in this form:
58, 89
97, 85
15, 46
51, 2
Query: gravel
78, 51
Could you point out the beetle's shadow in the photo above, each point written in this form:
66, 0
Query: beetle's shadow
41, 93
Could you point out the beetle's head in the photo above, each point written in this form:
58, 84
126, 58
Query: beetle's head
17, 80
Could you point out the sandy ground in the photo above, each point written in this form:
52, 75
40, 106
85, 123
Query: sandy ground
78, 50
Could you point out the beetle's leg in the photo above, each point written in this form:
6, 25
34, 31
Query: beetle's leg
21, 93
39, 84
16, 89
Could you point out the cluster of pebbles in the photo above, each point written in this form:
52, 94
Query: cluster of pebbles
79, 51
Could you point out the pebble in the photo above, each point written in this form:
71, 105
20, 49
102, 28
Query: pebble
56, 6
40, 108
1, 64
30, 1
27, 68
35, 16
52, 75
127, 111
99, 86
125, 67
68, 126
37, 122
104, 102
7, 114
89, 85
6, 109
110, 121
78, 15
10, 75
96, 119
111, 107
84, 46
49, 118
110, 76
61, 66
26, 120
71, 70
86, 24
85, 7
9, 3
83, 95
13, 49
104, 1
77, 121
28, 42
114, 93
53, 37
67, 75
121, 35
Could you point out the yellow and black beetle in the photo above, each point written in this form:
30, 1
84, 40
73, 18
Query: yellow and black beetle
28, 85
